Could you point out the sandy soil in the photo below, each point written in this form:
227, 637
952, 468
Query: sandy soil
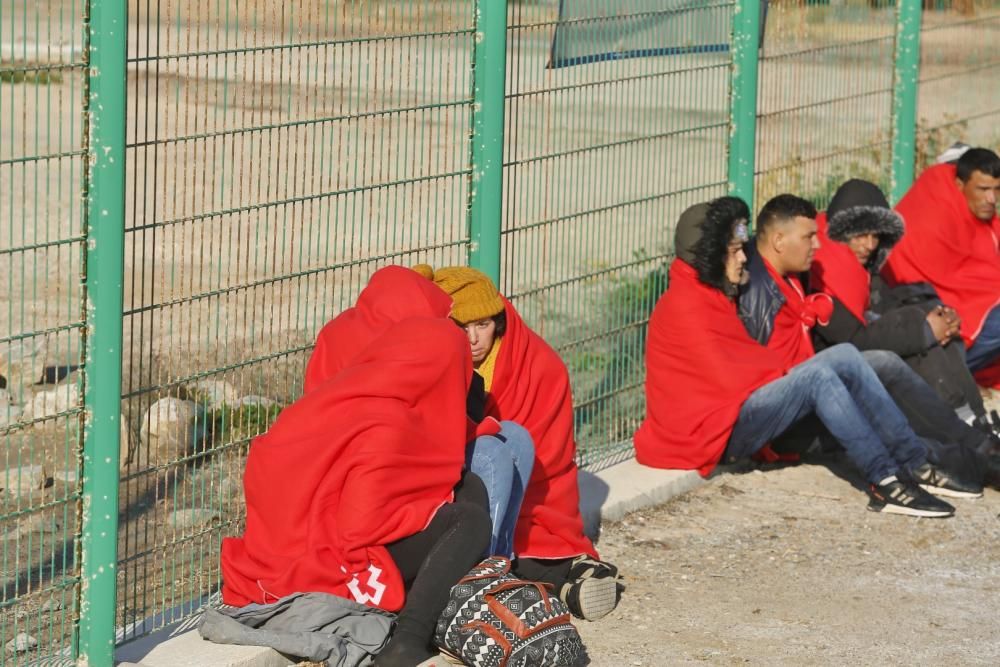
787, 567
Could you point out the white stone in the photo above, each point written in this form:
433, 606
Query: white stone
194, 518
169, 429
22, 362
52, 402
213, 394
22, 643
9, 412
259, 401
24, 480
38, 523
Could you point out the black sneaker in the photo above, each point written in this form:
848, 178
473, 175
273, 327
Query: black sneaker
905, 497
941, 483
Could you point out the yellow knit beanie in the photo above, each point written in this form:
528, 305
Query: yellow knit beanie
474, 295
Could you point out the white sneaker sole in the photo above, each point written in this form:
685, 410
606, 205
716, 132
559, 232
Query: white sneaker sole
910, 511
950, 493
598, 597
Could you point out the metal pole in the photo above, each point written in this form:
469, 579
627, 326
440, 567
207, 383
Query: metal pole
904, 96
743, 99
486, 189
104, 191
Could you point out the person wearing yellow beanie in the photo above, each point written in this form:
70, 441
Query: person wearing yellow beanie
532, 388
477, 307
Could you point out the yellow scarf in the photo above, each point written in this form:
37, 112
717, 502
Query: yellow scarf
489, 364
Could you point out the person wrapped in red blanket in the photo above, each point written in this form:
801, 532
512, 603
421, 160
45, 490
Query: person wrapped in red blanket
528, 383
715, 393
354, 486
908, 320
392, 294
951, 242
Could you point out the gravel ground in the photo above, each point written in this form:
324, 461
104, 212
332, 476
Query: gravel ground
787, 567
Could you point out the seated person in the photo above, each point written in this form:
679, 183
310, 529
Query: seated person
951, 243
713, 393
528, 383
773, 309
503, 460
357, 489
857, 233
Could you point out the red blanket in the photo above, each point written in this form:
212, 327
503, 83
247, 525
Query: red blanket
837, 272
790, 339
362, 461
947, 246
531, 387
700, 367
392, 294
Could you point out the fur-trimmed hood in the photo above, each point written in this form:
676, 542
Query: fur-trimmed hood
859, 207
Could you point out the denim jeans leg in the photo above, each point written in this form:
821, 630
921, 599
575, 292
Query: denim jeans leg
504, 462
986, 348
874, 402
812, 386
522, 450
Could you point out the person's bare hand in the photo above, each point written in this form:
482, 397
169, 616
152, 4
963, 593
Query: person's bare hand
953, 319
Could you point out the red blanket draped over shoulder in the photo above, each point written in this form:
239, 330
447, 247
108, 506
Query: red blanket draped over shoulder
531, 387
362, 461
947, 246
393, 293
700, 367
837, 272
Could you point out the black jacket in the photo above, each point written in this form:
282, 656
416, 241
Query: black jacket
901, 329
760, 299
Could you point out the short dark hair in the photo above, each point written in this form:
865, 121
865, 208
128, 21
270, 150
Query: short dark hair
977, 159
781, 209
501, 321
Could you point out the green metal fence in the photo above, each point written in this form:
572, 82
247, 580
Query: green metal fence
197, 187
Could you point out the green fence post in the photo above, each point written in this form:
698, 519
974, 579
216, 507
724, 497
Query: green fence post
904, 96
105, 230
486, 190
743, 99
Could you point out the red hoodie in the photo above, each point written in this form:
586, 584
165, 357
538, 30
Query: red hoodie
948, 247
362, 461
701, 365
531, 387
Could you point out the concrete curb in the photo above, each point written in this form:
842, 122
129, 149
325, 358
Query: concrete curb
604, 496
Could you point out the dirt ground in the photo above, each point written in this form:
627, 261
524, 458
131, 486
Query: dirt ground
786, 567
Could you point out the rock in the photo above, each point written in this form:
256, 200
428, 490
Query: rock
52, 604
170, 429
24, 480
212, 394
38, 523
194, 518
22, 643
52, 402
23, 362
65, 476
258, 401
9, 412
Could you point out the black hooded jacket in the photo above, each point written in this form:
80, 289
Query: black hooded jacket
897, 317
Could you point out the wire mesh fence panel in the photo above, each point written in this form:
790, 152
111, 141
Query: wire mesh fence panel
601, 156
825, 100
958, 98
278, 153
42, 94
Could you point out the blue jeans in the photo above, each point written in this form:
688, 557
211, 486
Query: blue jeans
504, 462
986, 348
842, 390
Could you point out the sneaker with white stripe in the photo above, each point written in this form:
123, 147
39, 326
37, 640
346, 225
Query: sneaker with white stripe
897, 496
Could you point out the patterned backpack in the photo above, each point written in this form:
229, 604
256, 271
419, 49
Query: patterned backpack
494, 619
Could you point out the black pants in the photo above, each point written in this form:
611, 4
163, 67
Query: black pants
548, 571
433, 560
